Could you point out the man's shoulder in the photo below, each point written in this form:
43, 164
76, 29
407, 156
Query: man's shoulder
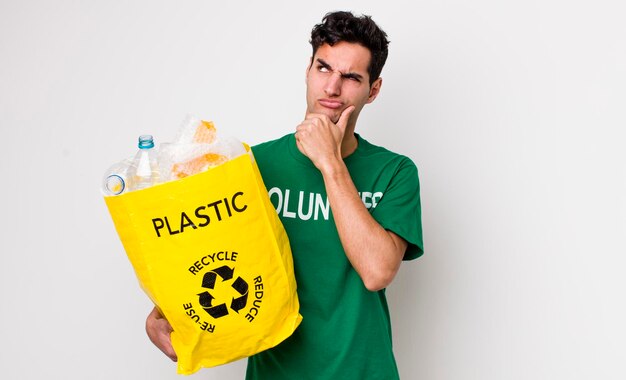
271, 145
381, 154
272, 154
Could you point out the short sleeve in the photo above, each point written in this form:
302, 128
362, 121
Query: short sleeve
399, 208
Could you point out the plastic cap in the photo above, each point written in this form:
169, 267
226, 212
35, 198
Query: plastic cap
146, 142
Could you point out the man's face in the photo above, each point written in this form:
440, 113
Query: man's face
337, 78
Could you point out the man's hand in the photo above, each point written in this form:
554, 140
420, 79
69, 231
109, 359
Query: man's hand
159, 330
320, 139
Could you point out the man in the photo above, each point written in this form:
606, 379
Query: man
345, 258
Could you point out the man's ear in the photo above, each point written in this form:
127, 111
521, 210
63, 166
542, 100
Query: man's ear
375, 89
308, 68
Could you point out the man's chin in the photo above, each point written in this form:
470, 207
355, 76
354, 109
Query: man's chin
333, 114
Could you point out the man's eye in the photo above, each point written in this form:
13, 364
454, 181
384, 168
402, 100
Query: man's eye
322, 69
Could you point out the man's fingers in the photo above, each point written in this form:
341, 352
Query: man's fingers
342, 122
164, 340
345, 116
168, 350
312, 116
159, 331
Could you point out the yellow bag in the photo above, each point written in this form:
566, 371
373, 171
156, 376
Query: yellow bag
211, 253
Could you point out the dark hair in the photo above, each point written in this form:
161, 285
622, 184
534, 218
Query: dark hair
344, 26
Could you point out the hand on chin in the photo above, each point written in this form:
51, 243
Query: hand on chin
333, 114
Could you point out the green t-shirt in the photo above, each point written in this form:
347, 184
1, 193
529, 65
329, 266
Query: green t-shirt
346, 330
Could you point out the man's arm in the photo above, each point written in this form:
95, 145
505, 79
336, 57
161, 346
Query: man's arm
374, 252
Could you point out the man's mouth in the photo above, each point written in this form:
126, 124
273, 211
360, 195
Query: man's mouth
332, 104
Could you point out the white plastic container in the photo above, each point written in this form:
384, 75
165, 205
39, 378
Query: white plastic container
144, 169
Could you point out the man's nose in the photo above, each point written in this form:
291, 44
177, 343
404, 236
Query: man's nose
333, 85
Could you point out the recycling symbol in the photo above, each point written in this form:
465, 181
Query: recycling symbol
208, 282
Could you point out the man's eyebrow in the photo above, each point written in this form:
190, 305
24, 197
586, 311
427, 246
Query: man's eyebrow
326, 65
356, 76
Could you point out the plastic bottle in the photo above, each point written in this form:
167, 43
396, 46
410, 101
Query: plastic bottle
115, 181
144, 170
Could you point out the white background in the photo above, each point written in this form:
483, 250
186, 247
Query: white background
512, 110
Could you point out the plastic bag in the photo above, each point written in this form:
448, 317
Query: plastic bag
212, 254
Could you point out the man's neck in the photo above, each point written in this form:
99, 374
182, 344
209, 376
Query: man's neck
348, 144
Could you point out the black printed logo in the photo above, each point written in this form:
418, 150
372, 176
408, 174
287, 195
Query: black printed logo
215, 308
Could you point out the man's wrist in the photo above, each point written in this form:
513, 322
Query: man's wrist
334, 169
